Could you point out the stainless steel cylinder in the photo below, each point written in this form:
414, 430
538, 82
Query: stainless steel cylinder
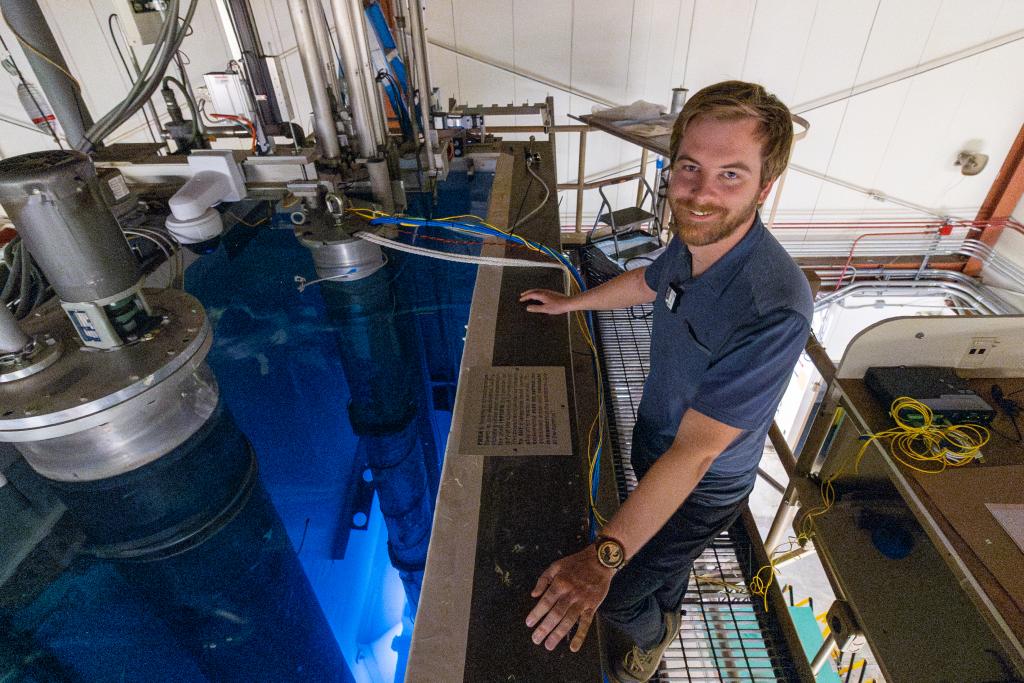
422, 78
90, 416
367, 73
322, 33
350, 62
25, 17
55, 202
323, 115
678, 100
380, 184
12, 339
337, 255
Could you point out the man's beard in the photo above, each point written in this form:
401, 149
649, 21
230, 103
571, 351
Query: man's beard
703, 233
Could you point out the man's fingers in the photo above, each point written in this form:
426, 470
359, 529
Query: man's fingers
563, 628
542, 583
585, 620
551, 621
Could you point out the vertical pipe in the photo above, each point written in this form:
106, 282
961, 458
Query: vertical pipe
323, 116
351, 65
322, 33
643, 176
380, 184
366, 72
419, 47
580, 180
12, 339
26, 19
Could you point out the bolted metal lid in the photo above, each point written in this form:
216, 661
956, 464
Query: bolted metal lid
54, 172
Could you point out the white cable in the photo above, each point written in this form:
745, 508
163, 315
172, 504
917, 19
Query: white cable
547, 193
171, 256
461, 258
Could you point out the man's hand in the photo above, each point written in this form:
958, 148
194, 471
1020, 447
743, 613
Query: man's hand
570, 591
549, 301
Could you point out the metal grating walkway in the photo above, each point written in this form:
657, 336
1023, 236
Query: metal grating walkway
725, 635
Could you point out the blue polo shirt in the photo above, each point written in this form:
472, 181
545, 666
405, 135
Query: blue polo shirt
726, 349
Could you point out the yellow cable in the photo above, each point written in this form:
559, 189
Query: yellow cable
27, 45
912, 445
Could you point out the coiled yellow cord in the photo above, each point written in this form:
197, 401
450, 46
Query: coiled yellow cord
917, 442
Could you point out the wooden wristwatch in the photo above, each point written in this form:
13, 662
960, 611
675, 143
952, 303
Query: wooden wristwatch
610, 552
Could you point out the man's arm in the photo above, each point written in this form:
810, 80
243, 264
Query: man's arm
628, 289
572, 588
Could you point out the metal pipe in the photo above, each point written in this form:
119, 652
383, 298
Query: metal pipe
419, 46
366, 73
824, 652
351, 65
26, 20
321, 32
581, 180
12, 339
783, 520
323, 115
782, 448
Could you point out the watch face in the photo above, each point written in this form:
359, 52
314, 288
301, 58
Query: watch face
610, 554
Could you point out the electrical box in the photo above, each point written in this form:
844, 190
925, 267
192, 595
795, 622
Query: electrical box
228, 94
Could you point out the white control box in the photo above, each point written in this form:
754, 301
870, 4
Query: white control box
228, 95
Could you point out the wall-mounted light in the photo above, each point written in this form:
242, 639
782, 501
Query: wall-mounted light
971, 163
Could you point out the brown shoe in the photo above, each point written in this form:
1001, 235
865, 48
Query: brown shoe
637, 665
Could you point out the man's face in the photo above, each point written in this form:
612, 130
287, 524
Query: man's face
716, 179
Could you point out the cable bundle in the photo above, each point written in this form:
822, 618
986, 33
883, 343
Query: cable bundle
474, 225
167, 44
917, 442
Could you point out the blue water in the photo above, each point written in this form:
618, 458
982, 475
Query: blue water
277, 359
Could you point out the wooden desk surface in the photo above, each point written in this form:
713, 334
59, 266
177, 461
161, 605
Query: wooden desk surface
933, 514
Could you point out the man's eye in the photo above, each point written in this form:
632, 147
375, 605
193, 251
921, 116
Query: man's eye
730, 175
689, 168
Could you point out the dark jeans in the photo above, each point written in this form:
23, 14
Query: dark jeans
655, 579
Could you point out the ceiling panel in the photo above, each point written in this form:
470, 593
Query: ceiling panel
838, 36
778, 44
718, 47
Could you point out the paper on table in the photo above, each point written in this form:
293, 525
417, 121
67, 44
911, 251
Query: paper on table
1011, 518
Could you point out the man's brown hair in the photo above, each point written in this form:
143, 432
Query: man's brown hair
730, 100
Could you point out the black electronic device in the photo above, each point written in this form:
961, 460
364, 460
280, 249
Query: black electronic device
948, 396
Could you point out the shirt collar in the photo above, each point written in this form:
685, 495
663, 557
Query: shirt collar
722, 271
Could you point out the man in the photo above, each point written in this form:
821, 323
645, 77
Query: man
731, 315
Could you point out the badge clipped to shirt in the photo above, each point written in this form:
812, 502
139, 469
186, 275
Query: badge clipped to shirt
672, 296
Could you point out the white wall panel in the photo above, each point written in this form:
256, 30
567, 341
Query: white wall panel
960, 25
681, 48
486, 27
543, 31
668, 37
444, 73
778, 44
898, 37
600, 50
439, 20
838, 36
718, 45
